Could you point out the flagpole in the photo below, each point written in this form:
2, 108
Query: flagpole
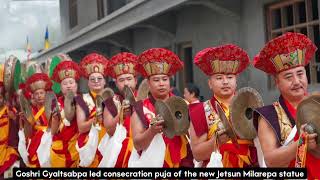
28, 49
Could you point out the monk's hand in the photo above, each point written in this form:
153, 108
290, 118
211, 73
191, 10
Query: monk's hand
55, 117
157, 124
311, 136
22, 116
126, 108
12, 115
222, 136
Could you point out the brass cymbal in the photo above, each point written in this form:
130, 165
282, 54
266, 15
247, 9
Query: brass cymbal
143, 90
99, 108
107, 93
69, 106
26, 108
179, 111
128, 95
308, 112
163, 110
241, 112
50, 106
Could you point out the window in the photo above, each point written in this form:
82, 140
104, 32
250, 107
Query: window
73, 13
113, 5
128, 1
296, 16
100, 9
186, 75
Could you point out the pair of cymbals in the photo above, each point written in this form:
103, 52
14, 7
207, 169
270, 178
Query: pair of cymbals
240, 122
128, 95
26, 109
241, 112
50, 106
308, 112
175, 114
69, 106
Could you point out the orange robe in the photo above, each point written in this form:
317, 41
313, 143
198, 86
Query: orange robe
8, 155
63, 149
232, 156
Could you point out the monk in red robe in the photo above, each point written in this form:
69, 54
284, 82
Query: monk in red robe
63, 149
222, 64
284, 58
38, 84
121, 68
93, 66
8, 154
158, 65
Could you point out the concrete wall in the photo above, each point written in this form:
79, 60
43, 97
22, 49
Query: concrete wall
194, 25
253, 39
144, 39
205, 27
240, 22
199, 25
64, 18
87, 14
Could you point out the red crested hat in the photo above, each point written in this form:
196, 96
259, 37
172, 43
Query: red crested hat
66, 69
158, 61
94, 63
285, 52
25, 90
225, 59
122, 63
38, 81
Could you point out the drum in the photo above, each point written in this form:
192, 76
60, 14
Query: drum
12, 71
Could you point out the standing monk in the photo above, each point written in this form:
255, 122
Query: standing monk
222, 64
157, 65
64, 152
38, 84
121, 67
284, 58
91, 127
8, 154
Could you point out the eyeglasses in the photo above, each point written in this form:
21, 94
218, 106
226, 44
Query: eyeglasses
96, 79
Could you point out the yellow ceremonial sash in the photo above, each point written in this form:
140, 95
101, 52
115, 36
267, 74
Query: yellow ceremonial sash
37, 117
38, 114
